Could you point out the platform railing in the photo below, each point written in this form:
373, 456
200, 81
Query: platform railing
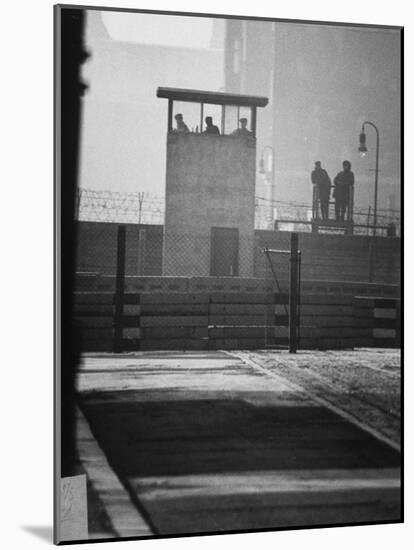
316, 206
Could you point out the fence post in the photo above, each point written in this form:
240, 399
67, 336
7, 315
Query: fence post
119, 290
141, 251
371, 259
293, 293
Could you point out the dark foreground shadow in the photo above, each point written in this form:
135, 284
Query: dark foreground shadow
199, 436
204, 465
43, 532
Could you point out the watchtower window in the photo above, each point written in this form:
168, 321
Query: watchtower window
186, 115
231, 118
214, 113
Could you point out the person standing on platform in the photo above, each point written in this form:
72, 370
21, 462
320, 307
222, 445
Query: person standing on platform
343, 182
322, 181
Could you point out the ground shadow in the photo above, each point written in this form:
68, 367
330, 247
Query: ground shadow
43, 532
181, 437
148, 441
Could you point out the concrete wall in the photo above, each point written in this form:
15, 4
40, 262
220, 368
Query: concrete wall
93, 282
210, 183
333, 257
325, 257
235, 320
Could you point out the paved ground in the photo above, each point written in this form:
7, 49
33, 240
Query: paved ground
366, 383
211, 442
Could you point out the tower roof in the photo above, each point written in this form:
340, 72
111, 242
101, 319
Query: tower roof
213, 98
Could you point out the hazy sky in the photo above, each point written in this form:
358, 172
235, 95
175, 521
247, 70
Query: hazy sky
329, 80
124, 122
177, 31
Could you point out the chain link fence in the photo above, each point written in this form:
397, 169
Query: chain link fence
229, 258
97, 248
225, 252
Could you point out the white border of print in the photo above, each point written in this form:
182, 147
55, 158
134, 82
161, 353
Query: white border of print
27, 280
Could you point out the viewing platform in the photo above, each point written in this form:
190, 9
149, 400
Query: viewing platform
345, 226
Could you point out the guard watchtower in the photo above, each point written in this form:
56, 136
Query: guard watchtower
210, 183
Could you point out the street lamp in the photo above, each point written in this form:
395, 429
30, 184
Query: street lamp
363, 150
362, 146
270, 169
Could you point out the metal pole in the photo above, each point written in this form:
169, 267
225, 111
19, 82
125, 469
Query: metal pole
272, 183
371, 260
376, 184
272, 178
140, 236
368, 218
299, 296
376, 175
141, 251
293, 293
120, 287
140, 201
267, 305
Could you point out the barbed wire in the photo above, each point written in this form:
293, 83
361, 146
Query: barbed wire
147, 208
120, 207
390, 212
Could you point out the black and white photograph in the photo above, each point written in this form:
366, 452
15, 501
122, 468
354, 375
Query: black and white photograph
229, 301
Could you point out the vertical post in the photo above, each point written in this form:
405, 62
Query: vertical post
371, 259
368, 220
351, 205
266, 260
223, 119
141, 251
293, 294
314, 203
350, 214
376, 183
272, 183
314, 210
201, 117
119, 290
253, 123
376, 172
170, 113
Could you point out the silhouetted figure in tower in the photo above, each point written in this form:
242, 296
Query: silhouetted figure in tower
343, 182
242, 131
322, 181
210, 127
181, 125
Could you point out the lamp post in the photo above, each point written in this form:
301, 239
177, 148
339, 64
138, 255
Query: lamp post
363, 150
265, 170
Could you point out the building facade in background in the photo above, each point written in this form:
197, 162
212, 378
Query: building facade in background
323, 82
